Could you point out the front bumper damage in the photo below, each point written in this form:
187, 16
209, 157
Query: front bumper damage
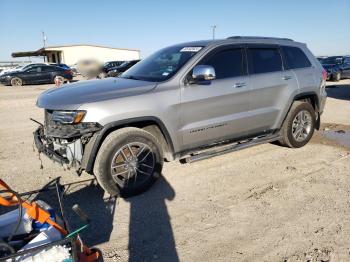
65, 144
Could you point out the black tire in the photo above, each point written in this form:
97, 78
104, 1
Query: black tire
100, 254
59, 78
288, 138
336, 77
16, 81
108, 152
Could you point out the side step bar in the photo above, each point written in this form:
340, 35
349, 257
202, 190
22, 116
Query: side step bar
230, 148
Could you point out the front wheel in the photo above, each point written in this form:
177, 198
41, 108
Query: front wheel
299, 125
16, 81
128, 162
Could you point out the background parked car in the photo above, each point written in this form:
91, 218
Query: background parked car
18, 68
337, 67
75, 70
64, 66
116, 71
107, 66
36, 74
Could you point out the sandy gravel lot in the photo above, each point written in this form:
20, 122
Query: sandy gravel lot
266, 203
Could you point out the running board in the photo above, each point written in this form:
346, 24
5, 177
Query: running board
230, 148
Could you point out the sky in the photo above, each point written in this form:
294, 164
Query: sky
150, 25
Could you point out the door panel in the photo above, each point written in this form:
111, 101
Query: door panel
271, 87
46, 74
270, 95
32, 75
214, 112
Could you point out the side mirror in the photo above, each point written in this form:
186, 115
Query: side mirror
203, 73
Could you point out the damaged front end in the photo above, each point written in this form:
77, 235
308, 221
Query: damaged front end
63, 137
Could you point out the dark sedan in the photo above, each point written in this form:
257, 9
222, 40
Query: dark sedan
337, 67
116, 71
36, 74
107, 66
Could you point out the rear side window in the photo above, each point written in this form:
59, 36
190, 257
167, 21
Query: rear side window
264, 60
295, 58
227, 63
47, 68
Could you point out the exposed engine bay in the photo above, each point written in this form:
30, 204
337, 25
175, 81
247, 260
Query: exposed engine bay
64, 143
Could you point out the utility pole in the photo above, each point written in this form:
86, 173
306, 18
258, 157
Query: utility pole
213, 27
44, 38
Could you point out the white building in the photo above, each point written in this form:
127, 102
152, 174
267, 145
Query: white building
71, 54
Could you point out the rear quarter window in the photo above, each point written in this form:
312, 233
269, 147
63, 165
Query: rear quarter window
264, 60
295, 58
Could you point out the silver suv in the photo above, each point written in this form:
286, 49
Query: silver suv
189, 101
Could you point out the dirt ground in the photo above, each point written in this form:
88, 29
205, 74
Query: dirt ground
265, 203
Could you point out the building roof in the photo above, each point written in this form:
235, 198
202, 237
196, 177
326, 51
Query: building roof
100, 46
44, 50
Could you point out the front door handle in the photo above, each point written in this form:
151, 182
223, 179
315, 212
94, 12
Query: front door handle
238, 85
287, 77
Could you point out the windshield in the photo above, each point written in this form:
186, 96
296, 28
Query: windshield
331, 60
162, 65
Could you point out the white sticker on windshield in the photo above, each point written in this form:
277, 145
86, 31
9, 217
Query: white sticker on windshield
165, 74
191, 49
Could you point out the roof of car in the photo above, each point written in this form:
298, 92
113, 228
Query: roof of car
241, 39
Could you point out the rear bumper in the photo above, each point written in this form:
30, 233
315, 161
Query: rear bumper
322, 101
69, 77
44, 146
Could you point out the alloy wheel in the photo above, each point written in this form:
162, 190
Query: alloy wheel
16, 81
301, 125
133, 164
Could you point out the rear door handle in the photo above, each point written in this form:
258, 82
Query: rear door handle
287, 77
238, 85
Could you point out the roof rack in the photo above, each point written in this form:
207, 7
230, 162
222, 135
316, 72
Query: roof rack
258, 37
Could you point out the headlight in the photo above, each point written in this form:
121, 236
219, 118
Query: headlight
68, 117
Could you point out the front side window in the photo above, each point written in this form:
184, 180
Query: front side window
264, 60
227, 63
295, 57
163, 64
35, 69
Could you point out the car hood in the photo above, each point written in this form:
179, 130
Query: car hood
72, 96
9, 73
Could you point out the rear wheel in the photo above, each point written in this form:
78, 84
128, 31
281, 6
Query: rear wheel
336, 77
58, 80
128, 162
16, 81
299, 125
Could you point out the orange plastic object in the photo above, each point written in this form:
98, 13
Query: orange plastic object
42, 216
7, 199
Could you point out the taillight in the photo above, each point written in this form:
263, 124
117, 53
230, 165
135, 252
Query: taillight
68, 72
324, 75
